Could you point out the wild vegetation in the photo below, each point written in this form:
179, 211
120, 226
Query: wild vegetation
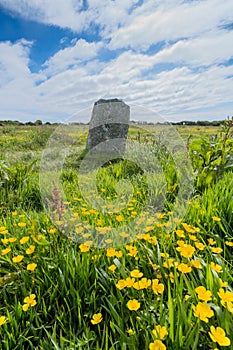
168, 285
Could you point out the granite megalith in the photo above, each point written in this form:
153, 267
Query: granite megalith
108, 128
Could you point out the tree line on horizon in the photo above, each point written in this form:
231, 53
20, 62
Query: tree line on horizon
133, 122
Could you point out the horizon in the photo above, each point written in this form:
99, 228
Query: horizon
172, 58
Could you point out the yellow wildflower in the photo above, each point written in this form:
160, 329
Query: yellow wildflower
24, 240
29, 301
157, 287
5, 251
30, 250
218, 336
2, 320
211, 241
180, 233
195, 263
17, 259
199, 245
130, 331
133, 305
215, 218
136, 274
215, 267
186, 250
112, 267
144, 283
184, 268
129, 282
190, 229
157, 345
12, 239
203, 294
222, 283
120, 218
203, 311
31, 267
216, 250
21, 224
121, 284
96, 318
160, 332
84, 248
226, 297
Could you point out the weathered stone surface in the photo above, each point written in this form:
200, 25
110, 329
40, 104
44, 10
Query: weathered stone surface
109, 120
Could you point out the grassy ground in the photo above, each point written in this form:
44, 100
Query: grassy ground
164, 283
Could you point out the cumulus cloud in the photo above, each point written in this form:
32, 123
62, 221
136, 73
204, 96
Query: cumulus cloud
209, 49
169, 23
62, 13
187, 74
71, 56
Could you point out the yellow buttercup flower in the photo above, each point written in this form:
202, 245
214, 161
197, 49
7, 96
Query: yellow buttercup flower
218, 335
222, 283
186, 250
31, 267
12, 239
215, 267
133, 305
17, 259
96, 318
180, 233
2, 320
195, 263
144, 283
84, 248
120, 218
190, 229
203, 311
112, 267
226, 297
5, 251
121, 284
24, 240
158, 288
157, 345
211, 241
216, 250
136, 274
130, 331
21, 224
160, 332
215, 218
29, 302
199, 245
184, 268
30, 250
129, 282
203, 294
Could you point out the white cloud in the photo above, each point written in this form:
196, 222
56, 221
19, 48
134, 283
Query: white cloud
209, 49
169, 23
71, 56
76, 76
62, 13
14, 59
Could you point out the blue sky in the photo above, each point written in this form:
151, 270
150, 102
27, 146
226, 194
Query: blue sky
173, 57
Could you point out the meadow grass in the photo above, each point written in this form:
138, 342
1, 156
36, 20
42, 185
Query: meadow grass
163, 287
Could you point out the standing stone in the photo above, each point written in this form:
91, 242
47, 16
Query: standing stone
109, 125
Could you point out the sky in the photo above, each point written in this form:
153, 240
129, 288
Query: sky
171, 57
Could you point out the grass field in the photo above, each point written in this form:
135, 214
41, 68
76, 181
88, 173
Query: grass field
66, 281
